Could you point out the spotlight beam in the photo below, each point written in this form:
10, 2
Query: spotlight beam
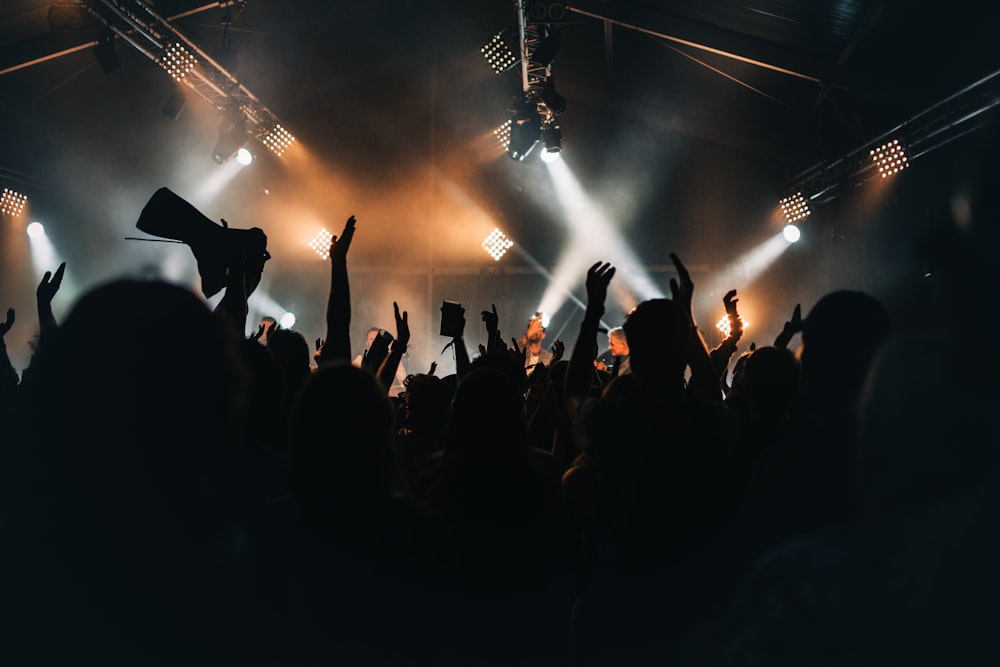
743, 270
594, 237
564, 290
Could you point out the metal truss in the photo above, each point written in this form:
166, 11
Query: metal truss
965, 111
138, 25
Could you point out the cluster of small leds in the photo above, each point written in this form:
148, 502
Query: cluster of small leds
794, 207
177, 61
498, 55
497, 244
890, 158
502, 134
278, 140
321, 243
723, 325
12, 203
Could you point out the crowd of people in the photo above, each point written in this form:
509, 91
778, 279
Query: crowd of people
173, 492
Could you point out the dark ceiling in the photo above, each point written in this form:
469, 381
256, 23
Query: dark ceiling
685, 116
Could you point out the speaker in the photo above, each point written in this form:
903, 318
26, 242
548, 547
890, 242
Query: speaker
546, 12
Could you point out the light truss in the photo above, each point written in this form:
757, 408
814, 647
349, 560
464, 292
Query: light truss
538, 104
141, 27
945, 121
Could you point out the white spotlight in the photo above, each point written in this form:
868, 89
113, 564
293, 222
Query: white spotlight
497, 244
35, 230
278, 140
550, 156
177, 60
795, 207
321, 243
12, 202
890, 158
287, 321
791, 233
244, 157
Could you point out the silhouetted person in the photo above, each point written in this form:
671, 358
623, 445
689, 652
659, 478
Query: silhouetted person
653, 444
124, 544
355, 541
805, 482
505, 552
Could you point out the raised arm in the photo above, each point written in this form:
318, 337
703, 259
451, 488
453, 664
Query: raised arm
387, 371
724, 351
704, 381
462, 361
494, 342
47, 289
8, 376
233, 306
581, 360
792, 327
337, 346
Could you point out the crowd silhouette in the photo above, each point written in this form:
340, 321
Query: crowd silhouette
173, 492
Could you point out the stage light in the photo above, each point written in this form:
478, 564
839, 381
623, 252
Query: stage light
321, 243
791, 233
498, 54
287, 321
795, 207
35, 230
278, 140
723, 325
552, 140
502, 134
546, 12
176, 60
232, 135
12, 202
890, 158
525, 128
497, 244
244, 156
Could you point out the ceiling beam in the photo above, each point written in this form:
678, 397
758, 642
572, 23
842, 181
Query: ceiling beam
742, 48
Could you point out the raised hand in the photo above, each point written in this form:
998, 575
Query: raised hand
7, 324
558, 349
434, 367
338, 306
792, 327
735, 321
49, 284
255, 336
581, 366
729, 301
339, 245
681, 288
46, 290
492, 321
402, 325
518, 352
599, 277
